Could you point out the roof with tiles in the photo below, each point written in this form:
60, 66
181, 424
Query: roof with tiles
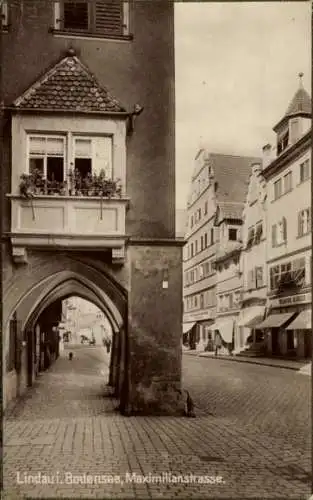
301, 103
232, 174
230, 211
69, 86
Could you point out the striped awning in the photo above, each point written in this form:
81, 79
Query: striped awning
275, 320
252, 317
302, 322
225, 328
188, 326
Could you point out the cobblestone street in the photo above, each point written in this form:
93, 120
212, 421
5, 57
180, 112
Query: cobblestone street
252, 431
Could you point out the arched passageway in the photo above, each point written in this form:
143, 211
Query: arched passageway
32, 341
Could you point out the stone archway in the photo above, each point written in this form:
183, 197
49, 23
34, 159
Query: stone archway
83, 279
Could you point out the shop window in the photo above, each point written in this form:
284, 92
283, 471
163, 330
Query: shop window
298, 271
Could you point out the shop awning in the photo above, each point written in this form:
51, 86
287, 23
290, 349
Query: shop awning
302, 322
188, 326
252, 317
274, 320
225, 327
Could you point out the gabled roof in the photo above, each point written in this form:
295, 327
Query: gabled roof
69, 86
231, 173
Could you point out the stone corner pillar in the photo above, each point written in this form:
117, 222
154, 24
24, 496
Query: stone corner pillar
155, 330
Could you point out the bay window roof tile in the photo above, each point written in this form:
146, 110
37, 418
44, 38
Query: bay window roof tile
69, 86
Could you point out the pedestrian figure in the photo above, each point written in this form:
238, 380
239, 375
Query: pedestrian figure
108, 345
218, 342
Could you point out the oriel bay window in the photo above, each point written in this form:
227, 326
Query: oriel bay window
288, 273
58, 161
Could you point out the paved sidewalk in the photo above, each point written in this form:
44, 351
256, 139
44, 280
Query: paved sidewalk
65, 439
289, 364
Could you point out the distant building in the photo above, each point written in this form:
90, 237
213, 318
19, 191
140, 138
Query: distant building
288, 241
228, 277
80, 317
253, 262
181, 223
217, 180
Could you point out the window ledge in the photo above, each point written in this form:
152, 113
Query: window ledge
91, 35
279, 244
302, 235
303, 182
282, 195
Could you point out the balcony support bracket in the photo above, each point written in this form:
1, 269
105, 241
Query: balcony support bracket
19, 255
118, 255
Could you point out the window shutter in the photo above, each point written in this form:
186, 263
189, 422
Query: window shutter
109, 17
284, 221
300, 224
274, 235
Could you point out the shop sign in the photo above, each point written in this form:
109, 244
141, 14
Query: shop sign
197, 316
303, 298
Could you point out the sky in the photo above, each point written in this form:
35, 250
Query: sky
236, 70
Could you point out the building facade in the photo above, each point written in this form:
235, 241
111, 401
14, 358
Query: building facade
228, 275
88, 146
253, 262
288, 233
217, 179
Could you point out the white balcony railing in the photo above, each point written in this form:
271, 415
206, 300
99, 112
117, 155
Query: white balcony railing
82, 223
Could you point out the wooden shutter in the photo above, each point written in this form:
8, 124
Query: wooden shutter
109, 17
274, 235
284, 222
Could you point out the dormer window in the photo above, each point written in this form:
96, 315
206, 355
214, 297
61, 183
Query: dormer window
282, 142
232, 234
294, 130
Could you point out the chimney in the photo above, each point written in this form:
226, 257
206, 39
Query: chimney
267, 155
256, 167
